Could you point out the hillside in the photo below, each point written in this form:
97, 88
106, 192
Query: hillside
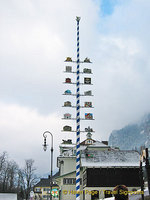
132, 136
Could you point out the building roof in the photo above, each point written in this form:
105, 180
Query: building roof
56, 174
45, 182
84, 142
98, 144
83, 146
65, 174
111, 158
67, 145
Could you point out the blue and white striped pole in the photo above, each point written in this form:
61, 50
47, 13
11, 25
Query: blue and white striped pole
78, 118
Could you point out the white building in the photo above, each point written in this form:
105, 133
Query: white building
102, 168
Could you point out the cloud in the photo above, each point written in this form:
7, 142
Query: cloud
35, 39
123, 66
22, 134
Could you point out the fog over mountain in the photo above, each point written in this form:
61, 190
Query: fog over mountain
132, 136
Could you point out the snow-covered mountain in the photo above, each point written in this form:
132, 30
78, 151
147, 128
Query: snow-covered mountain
132, 136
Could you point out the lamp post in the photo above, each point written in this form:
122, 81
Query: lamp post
45, 148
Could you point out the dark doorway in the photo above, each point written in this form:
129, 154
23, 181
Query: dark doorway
107, 193
94, 194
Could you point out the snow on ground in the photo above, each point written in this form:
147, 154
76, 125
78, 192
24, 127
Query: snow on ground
8, 196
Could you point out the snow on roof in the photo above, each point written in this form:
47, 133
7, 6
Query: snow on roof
83, 146
71, 147
98, 144
113, 158
67, 145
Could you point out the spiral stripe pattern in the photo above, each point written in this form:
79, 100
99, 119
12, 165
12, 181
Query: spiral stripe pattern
78, 118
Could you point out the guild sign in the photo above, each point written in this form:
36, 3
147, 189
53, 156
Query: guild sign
87, 60
67, 104
88, 116
86, 70
68, 59
67, 128
68, 69
88, 104
67, 116
88, 93
68, 80
88, 129
87, 80
68, 92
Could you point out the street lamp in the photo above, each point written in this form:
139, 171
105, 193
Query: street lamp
45, 148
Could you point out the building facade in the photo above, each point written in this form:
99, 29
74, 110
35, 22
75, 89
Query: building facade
42, 190
102, 168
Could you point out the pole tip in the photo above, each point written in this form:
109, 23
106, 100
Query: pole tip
78, 19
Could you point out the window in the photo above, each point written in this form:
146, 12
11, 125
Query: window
70, 181
46, 189
64, 181
73, 181
38, 190
46, 196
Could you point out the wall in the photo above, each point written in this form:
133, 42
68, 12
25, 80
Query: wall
68, 191
68, 165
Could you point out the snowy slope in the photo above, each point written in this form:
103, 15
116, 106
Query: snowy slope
132, 136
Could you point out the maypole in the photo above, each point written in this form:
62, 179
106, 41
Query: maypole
78, 117
87, 105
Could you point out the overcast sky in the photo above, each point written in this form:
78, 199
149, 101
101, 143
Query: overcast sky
35, 38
